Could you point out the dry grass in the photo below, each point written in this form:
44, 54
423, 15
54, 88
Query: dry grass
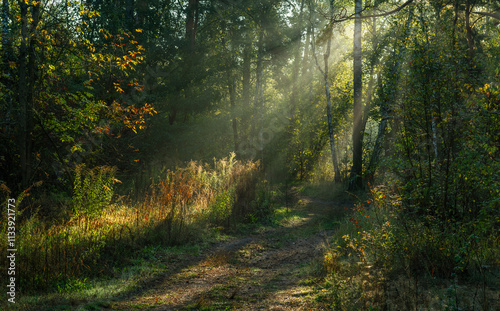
178, 207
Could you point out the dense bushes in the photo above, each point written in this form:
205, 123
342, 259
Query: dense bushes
387, 256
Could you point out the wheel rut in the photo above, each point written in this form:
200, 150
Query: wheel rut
270, 269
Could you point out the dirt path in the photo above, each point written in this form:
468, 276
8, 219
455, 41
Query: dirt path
271, 269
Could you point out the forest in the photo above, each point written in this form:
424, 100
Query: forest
244, 155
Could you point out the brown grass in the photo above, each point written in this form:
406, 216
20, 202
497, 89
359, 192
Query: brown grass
177, 208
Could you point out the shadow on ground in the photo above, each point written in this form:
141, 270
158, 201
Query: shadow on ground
269, 268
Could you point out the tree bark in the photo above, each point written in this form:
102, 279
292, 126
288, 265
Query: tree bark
357, 130
329, 116
25, 141
247, 57
191, 21
231, 86
296, 65
232, 99
329, 103
189, 55
6, 57
259, 92
470, 38
325, 73
245, 90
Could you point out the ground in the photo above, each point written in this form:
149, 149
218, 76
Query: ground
268, 268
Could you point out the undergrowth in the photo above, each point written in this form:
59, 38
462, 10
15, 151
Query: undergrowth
180, 206
385, 257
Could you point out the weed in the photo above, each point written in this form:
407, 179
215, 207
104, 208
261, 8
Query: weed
93, 190
180, 207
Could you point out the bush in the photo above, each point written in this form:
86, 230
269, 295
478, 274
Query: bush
93, 190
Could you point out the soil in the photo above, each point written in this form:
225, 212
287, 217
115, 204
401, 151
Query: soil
271, 268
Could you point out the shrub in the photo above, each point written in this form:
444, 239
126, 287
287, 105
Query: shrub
93, 190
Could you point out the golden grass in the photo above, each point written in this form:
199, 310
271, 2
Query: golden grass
177, 207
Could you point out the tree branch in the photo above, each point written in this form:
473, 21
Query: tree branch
375, 15
494, 15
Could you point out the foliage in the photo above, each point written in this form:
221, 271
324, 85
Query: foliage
433, 216
142, 88
180, 207
382, 254
93, 190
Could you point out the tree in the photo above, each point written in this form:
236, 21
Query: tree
325, 73
357, 128
70, 92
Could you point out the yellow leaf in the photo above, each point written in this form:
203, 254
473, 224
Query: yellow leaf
138, 30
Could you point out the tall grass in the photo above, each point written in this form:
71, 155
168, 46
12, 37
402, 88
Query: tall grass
177, 208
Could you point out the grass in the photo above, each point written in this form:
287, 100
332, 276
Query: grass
146, 265
182, 206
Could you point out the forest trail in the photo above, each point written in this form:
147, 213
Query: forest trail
271, 268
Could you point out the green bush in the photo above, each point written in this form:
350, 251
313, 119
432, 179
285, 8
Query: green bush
93, 190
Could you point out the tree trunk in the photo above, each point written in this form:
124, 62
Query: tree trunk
371, 82
296, 65
329, 116
231, 86
6, 57
245, 91
232, 100
191, 21
357, 130
246, 74
325, 74
306, 65
259, 93
25, 141
329, 102
469, 35
189, 55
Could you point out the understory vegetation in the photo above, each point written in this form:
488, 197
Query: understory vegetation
99, 235
386, 256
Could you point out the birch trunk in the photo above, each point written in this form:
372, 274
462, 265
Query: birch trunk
296, 65
325, 73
